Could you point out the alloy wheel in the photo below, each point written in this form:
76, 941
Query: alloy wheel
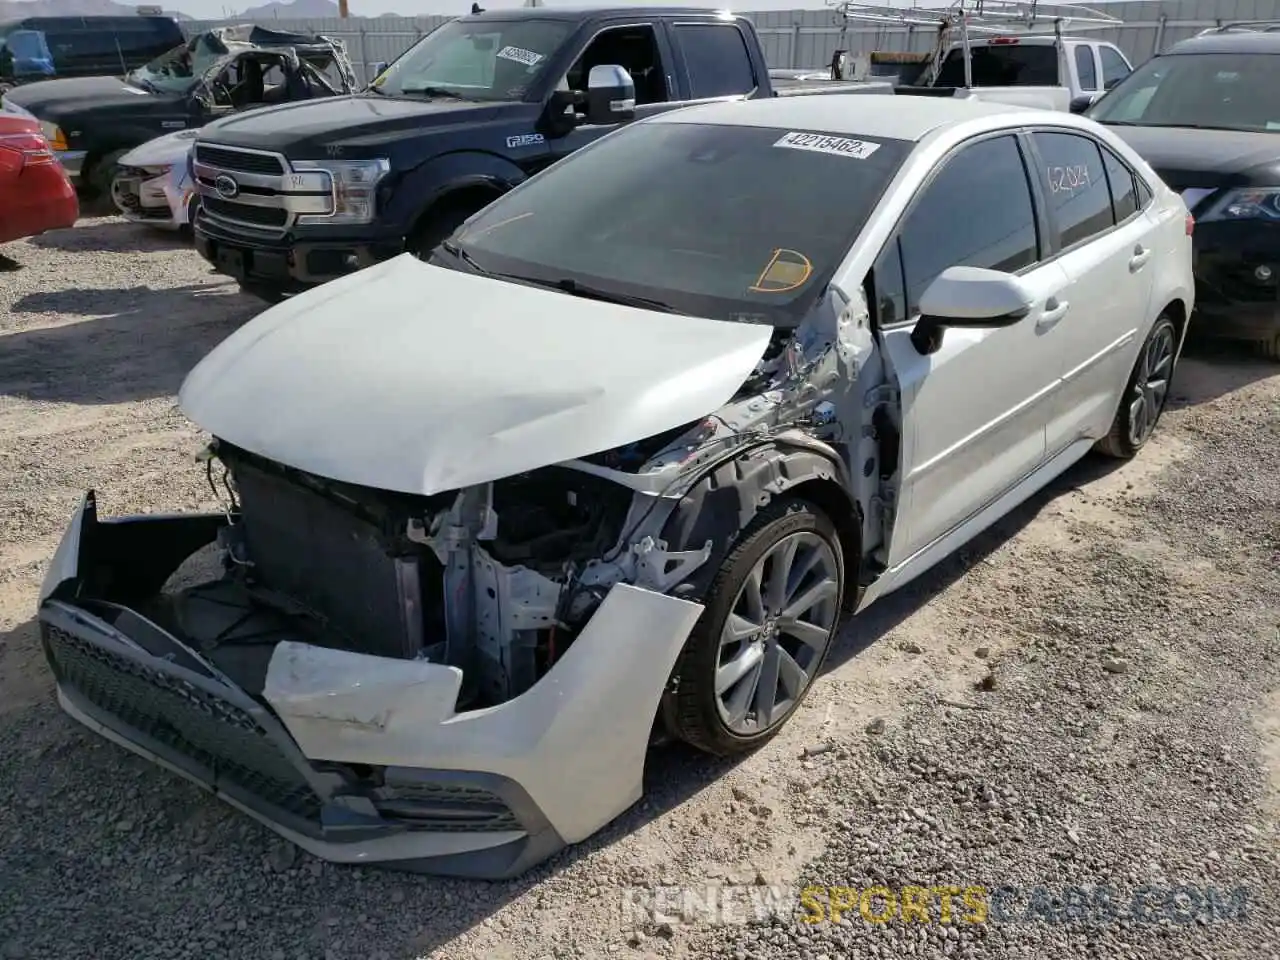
1151, 385
774, 639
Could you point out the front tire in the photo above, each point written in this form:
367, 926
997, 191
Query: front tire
1145, 393
771, 614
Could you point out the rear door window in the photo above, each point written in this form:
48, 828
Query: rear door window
1086, 69
1003, 65
1124, 193
717, 59
976, 212
1075, 185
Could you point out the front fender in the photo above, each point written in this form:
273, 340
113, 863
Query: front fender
720, 505
424, 186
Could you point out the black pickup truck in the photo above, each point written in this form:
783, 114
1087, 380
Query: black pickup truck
297, 195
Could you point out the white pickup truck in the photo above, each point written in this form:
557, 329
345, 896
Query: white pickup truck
1058, 73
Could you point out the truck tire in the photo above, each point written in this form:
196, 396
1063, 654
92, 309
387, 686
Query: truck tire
97, 181
440, 221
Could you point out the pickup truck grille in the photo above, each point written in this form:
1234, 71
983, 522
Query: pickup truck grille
258, 191
258, 216
239, 160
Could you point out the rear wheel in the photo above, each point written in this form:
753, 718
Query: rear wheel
770, 617
1145, 393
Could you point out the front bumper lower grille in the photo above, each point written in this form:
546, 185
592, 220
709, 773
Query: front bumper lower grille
212, 732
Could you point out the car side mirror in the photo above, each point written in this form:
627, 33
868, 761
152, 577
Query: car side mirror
969, 297
376, 69
1082, 103
611, 95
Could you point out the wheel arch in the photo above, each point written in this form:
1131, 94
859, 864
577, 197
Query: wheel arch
721, 505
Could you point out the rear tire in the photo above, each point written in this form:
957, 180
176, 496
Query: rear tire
1145, 393
771, 614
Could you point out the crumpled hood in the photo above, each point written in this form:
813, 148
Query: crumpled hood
163, 151
419, 379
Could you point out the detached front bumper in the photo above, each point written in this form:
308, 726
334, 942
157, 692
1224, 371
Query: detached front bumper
358, 758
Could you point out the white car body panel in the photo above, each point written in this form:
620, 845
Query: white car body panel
168, 186
576, 741
419, 379
963, 445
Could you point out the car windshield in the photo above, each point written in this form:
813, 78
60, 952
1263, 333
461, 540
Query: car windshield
729, 222
475, 60
1004, 65
1218, 91
180, 69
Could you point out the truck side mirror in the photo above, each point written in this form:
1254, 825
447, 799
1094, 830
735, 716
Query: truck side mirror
611, 95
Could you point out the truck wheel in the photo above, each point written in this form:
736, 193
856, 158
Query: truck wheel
441, 221
98, 179
771, 613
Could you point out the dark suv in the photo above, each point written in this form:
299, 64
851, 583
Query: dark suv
1206, 116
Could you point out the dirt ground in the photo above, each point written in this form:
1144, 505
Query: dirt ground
1089, 694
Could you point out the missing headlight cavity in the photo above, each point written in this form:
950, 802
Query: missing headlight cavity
496, 580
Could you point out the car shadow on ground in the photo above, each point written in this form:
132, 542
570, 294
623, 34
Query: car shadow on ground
1209, 369
138, 345
108, 235
402, 915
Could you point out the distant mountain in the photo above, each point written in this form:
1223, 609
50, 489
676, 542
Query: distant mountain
20, 9
297, 10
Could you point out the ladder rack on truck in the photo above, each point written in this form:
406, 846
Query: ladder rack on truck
969, 17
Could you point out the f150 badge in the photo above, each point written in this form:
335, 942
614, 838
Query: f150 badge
526, 140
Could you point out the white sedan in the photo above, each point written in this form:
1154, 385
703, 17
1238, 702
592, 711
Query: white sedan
615, 461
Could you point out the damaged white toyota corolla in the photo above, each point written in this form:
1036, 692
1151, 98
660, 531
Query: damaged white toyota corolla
612, 464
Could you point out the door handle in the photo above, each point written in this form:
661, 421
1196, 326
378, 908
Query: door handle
1054, 310
1139, 259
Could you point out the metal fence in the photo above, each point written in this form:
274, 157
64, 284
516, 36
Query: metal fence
807, 38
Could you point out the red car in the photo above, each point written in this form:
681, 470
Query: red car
35, 194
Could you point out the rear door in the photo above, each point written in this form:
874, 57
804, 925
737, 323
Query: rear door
1104, 244
974, 412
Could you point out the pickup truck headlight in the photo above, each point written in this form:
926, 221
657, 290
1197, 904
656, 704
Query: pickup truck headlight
354, 182
1245, 203
53, 133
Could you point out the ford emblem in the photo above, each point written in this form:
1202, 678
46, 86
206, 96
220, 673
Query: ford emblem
226, 187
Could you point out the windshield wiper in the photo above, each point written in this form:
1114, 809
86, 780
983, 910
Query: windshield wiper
454, 250
434, 92
574, 288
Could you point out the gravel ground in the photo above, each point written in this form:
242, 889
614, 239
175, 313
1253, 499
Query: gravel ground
1089, 695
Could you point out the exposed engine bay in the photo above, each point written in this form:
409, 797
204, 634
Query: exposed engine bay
495, 580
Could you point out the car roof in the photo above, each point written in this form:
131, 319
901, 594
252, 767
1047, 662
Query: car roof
1239, 41
887, 116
